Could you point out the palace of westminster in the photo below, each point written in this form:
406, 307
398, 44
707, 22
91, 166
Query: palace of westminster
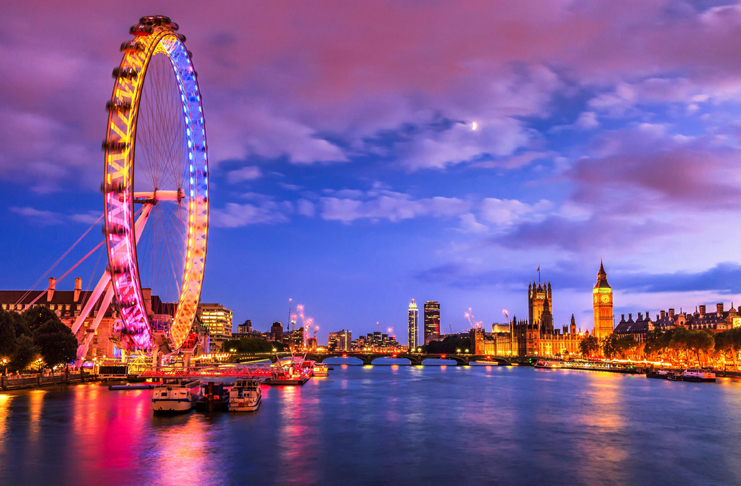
537, 336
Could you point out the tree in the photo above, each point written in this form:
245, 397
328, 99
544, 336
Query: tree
7, 334
37, 316
25, 353
589, 346
56, 343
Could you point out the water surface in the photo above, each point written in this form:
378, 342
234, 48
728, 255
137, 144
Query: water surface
388, 425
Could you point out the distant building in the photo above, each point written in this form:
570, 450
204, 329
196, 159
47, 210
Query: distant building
344, 340
276, 332
245, 327
218, 320
602, 301
311, 344
413, 326
499, 327
431, 320
333, 341
718, 321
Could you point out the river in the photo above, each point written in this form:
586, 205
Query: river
388, 425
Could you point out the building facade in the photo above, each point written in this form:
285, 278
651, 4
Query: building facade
602, 302
245, 327
539, 300
413, 326
431, 320
218, 320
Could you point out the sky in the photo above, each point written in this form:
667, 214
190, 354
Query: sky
367, 153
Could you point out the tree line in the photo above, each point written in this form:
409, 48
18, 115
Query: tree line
699, 347
35, 333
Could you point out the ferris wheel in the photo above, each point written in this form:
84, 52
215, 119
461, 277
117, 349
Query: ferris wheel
155, 190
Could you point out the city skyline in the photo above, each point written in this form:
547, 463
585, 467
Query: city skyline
353, 173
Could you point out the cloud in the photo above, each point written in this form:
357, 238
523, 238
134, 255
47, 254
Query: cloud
391, 206
38, 215
722, 278
248, 173
587, 121
505, 212
305, 208
238, 215
470, 225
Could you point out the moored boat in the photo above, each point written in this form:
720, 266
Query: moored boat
698, 375
245, 395
321, 369
215, 398
659, 374
176, 395
543, 363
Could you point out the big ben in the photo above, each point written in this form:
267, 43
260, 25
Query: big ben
602, 300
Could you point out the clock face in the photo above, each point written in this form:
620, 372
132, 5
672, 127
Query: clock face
605, 299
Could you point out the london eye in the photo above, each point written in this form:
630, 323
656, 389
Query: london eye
155, 187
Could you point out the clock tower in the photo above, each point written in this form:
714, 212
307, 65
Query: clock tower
602, 301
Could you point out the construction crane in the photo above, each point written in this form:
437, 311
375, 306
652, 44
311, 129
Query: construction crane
451, 327
472, 320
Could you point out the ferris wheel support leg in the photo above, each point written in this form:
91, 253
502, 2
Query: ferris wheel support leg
82, 350
104, 281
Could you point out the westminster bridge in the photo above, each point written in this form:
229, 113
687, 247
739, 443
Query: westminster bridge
367, 358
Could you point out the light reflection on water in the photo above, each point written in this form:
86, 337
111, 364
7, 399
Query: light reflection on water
388, 424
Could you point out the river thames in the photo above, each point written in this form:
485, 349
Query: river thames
388, 425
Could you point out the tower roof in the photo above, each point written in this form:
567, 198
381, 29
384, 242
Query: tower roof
602, 277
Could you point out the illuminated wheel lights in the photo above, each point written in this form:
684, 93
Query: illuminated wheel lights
153, 36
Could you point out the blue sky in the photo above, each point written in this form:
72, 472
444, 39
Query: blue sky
347, 173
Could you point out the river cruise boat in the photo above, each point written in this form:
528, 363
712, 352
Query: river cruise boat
321, 369
698, 375
176, 395
543, 363
245, 395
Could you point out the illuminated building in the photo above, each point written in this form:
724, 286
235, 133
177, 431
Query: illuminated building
431, 320
332, 341
539, 300
718, 321
539, 337
245, 327
602, 301
413, 326
218, 320
311, 344
344, 338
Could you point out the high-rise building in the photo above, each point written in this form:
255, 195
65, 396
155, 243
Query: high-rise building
413, 326
218, 321
333, 341
432, 319
344, 338
602, 295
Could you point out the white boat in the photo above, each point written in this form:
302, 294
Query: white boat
176, 395
245, 395
321, 369
698, 375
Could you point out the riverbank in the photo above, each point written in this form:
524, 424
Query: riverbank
11, 382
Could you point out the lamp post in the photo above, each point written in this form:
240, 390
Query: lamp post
5, 365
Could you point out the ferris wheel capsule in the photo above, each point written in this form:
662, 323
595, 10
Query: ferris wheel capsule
155, 188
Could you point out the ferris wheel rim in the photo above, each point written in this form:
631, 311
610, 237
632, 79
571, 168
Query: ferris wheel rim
153, 36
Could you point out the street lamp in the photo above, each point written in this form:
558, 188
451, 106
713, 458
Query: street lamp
458, 351
466, 351
5, 365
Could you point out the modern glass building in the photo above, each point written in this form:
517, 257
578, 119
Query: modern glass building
413, 326
432, 319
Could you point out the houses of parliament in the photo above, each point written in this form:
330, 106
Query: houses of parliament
537, 336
